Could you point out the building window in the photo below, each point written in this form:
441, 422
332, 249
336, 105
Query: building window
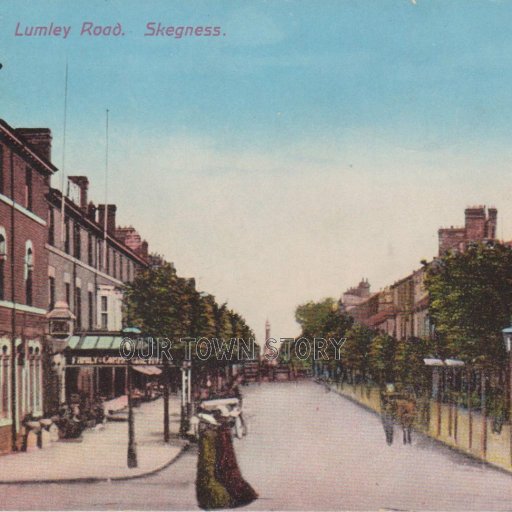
51, 286
3, 257
77, 246
91, 310
51, 226
90, 246
104, 312
29, 270
5, 382
68, 294
114, 257
121, 268
100, 262
78, 307
107, 266
28, 188
66, 236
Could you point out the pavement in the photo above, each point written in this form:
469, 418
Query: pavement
101, 454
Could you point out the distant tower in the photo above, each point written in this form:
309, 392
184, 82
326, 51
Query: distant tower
268, 352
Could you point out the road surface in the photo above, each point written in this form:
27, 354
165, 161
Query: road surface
307, 449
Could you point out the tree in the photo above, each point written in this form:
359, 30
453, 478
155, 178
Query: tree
313, 316
471, 301
151, 301
410, 368
355, 351
382, 358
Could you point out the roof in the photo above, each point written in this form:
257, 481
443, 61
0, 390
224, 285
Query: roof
17, 140
55, 197
380, 317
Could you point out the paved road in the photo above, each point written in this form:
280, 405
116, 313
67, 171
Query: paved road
307, 449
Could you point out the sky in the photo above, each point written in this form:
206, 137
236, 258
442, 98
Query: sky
310, 144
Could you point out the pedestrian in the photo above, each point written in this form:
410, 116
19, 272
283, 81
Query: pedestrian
387, 418
228, 472
210, 493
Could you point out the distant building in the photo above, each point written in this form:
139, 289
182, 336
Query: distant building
355, 295
480, 226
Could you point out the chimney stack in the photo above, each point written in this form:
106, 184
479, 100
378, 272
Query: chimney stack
83, 183
40, 139
111, 217
91, 211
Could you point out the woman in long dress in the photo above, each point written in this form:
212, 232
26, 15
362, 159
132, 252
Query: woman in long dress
228, 473
210, 492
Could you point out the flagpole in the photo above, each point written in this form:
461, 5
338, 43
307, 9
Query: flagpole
63, 166
105, 213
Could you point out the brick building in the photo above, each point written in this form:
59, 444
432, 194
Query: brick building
25, 170
480, 226
355, 295
401, 310
87, 268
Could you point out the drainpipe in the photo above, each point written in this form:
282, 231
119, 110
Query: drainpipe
14, 446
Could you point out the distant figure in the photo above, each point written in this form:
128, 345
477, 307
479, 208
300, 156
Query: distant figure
388, 420
406, 413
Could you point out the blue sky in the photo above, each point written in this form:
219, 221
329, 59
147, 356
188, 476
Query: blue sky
314, 143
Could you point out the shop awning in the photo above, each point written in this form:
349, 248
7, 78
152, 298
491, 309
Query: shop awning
95, 342
103, 348
148, 370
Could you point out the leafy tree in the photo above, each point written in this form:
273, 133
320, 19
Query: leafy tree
471, 301
313, 316
355, 351
410, 368
382, 358
151, 301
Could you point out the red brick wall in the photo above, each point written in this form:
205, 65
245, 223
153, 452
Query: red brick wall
25, 229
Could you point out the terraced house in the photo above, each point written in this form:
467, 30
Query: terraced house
55, 250
25, 171
89, 260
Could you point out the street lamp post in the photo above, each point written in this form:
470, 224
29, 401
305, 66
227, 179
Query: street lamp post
507, 338
186, 374
132, 445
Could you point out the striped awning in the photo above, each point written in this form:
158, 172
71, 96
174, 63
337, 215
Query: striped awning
95, 342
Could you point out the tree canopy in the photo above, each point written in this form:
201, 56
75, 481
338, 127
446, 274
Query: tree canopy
471, 301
